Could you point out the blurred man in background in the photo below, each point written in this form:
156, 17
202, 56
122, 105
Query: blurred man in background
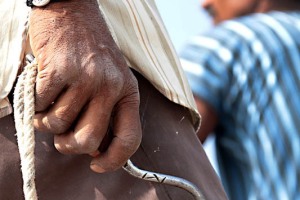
245, 77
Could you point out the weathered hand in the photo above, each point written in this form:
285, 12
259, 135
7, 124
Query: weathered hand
83, 83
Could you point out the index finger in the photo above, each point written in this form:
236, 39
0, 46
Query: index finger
126, 140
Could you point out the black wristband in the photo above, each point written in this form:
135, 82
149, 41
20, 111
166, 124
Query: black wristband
37, 3
29, 3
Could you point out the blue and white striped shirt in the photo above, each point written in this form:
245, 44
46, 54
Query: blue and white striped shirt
248, 69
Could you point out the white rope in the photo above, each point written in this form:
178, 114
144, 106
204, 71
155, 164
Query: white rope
24, 113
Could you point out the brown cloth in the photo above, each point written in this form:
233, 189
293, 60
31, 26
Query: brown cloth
169, 146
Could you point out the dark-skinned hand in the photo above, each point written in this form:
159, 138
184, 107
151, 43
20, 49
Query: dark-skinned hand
83, 84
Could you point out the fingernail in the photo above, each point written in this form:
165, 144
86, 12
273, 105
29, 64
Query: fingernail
94, 154
96, 168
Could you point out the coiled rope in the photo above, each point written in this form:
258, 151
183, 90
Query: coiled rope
24, 113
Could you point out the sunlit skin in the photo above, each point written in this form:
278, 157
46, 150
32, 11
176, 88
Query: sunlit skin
83, 86
221, 10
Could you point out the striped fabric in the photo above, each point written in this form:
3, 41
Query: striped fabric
136, 27
249, 70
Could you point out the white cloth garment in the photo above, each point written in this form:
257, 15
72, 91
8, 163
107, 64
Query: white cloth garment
137, 29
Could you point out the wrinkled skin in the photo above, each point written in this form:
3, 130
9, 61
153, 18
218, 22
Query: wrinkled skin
83, 84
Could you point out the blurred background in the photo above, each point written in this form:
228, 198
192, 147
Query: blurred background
184, 19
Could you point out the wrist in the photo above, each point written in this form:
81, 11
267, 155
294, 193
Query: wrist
65, 16
63, 4
67, 9
39, 3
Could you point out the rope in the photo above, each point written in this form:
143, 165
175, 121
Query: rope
24, 113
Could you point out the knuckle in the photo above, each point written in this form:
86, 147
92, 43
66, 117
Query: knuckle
115, 166
132, 91
61, 145
46, 73
114, 81
73, 145
64, 149
57, 125
47, 82
130, 143
86, 144
131, 101
131, 98
133, 82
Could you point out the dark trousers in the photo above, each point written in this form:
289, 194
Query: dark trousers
169, 146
